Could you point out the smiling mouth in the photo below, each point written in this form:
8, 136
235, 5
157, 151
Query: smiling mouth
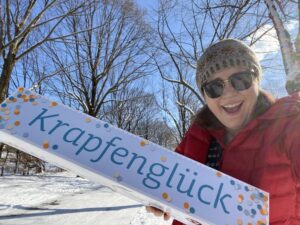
232, 108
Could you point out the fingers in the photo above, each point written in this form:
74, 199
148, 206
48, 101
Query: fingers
158, 212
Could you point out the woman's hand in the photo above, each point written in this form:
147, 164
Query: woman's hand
158, 212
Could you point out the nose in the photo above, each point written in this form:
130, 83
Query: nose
228, 89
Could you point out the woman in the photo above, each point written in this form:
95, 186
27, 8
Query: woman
243, 132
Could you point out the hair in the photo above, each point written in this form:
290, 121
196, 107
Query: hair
207, 120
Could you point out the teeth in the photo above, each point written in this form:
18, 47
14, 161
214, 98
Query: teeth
231, 105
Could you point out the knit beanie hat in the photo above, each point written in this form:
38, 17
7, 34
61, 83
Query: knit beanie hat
224, 54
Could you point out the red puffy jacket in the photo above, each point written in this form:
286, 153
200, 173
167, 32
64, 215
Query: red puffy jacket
265, 154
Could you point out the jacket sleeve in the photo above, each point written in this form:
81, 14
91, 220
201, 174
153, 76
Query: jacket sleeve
292, 146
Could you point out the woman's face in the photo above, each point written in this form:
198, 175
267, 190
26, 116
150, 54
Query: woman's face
233, 108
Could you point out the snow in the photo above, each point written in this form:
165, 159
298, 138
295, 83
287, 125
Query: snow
63, 198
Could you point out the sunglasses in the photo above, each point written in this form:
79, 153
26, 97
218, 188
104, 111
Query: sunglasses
239, 81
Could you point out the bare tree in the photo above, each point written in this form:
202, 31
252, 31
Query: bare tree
109, 55
32, 22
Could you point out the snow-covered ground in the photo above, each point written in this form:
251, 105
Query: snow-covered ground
64, 199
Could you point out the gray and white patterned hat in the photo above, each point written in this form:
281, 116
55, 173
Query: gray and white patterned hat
224, 54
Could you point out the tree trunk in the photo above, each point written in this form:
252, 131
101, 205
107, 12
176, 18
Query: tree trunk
9, 63
290, 60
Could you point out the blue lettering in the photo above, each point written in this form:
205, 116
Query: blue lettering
109, 143
41, 118
221, 199
87, 142
76, 136
118, 152
200, 192
135, 156
59, 124
155, 183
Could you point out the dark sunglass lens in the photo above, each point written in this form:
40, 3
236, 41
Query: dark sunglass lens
214, 89
241, 81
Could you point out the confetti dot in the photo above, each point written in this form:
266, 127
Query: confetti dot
165, 195
142, 143
20, 89
16, 111
232, 182
98, 125
163, 158
119, 179
246, 212
253, 211
19, 95
17, 123
31, 99
25, 99
46, 144
53, 104
55, 147
263, 212
240, 198
195, 173
265, 198
11, 98
88, 119
3, 105
7, 112
240, 208
192, 210
35, 103
239, 221
106, 125
186, 205
259, 206
218, 174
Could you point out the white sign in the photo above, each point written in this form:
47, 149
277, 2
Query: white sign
192, 192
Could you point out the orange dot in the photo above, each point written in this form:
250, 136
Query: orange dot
249, 224
252, 197
88, 120
23, 96
20, 89
17, 123
239, 221
46, 144
142, 143
14, 100
1, 117
240, 198
54, 104
259, 222
26, 99
16, 112
218, 174
163, 158
265, 198
263, 211
186, 205
165, 195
